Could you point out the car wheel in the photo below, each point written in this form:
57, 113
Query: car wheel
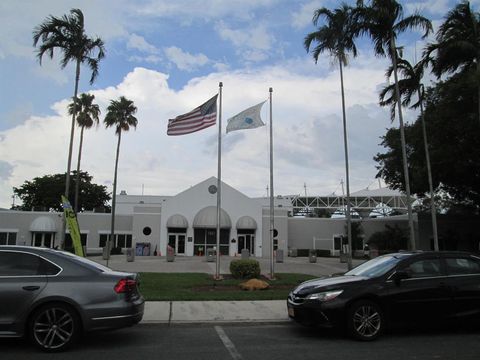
365, 320
54, 327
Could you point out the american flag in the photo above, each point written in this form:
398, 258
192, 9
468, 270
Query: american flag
199, 118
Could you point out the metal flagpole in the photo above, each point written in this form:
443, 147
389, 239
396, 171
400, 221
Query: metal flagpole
219, 182
272, 271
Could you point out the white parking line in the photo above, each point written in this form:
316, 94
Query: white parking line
228, 343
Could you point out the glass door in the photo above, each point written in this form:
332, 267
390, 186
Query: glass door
177, 242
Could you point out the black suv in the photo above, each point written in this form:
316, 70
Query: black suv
401, 288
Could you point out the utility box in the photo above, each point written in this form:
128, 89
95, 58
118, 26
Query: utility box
170, 254
292, 252
211, 255
312, 257
279, 256
245, 254
130, 255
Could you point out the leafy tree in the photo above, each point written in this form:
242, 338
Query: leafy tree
44, 193
383, 21
410, 84
67, 35
451, 120
458, 44
88, 114
120, 114
337, 38
393, 238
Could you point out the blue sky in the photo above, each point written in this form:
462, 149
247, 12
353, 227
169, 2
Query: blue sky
168, 57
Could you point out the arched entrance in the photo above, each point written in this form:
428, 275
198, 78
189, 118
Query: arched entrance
43, 231
177, 233
205, 231
246, 228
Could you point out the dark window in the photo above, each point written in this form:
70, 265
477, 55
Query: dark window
69, 243
147, 230
8, 238
462, 266
21, 264
177, 230
424, 268
103, 240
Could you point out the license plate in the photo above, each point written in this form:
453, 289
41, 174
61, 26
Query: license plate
291, 312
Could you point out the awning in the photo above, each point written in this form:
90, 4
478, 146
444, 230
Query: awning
43, 224
246, 223
177, 221
207, 218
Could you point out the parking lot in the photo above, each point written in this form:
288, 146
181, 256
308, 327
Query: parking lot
263, 342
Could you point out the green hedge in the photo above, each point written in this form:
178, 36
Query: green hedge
245, 269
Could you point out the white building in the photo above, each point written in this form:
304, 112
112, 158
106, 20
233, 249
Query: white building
187, 222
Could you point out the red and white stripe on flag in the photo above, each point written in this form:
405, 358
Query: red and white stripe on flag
199, 118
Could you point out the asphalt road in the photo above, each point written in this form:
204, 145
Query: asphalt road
250, 342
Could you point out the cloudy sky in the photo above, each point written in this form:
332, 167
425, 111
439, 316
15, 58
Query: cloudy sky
169, 57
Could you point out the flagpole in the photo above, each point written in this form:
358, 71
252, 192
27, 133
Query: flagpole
272, 272
219, 182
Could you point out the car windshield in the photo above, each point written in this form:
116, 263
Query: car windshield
376, 267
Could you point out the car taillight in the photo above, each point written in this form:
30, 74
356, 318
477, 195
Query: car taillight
125, 286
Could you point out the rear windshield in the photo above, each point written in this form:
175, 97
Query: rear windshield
83, 261
377, 267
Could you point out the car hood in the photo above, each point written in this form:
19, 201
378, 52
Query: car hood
332, 282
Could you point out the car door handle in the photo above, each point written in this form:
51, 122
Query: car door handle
31, 288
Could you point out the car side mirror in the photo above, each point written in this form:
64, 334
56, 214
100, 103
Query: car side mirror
399, 276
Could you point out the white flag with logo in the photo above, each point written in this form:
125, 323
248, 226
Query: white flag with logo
247, 119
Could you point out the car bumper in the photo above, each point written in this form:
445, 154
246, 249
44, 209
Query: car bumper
314, 313
127, 315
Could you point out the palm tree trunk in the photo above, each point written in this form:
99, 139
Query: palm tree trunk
345, 143
77, 182
403, 144
114, 198
70, 150
429, 173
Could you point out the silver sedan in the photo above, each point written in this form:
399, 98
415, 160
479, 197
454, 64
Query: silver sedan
53, 296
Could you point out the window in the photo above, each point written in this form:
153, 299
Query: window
69, 243
120, 240
8, 238
424, 268
462, 266
22, 264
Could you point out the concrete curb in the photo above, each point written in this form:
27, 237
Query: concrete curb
187, 312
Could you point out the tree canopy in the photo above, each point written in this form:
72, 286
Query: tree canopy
451, 119
44, 193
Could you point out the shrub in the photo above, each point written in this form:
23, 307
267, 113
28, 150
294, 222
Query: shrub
245, 269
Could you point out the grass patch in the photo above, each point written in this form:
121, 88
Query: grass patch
197, 286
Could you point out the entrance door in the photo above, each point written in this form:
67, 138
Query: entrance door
177, 242
246, 241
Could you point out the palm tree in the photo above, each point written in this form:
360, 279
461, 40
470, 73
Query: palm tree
336, 37
120, 115
458, 44
408, 86
67, 34
383, 21
88, 114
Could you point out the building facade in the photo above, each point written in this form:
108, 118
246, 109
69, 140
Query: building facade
187, 222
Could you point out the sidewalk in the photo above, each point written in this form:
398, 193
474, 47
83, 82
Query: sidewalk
206, 312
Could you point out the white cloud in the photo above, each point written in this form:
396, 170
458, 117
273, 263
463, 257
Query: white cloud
138, 42
303, 17
308, 135
184, 60
251, 43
